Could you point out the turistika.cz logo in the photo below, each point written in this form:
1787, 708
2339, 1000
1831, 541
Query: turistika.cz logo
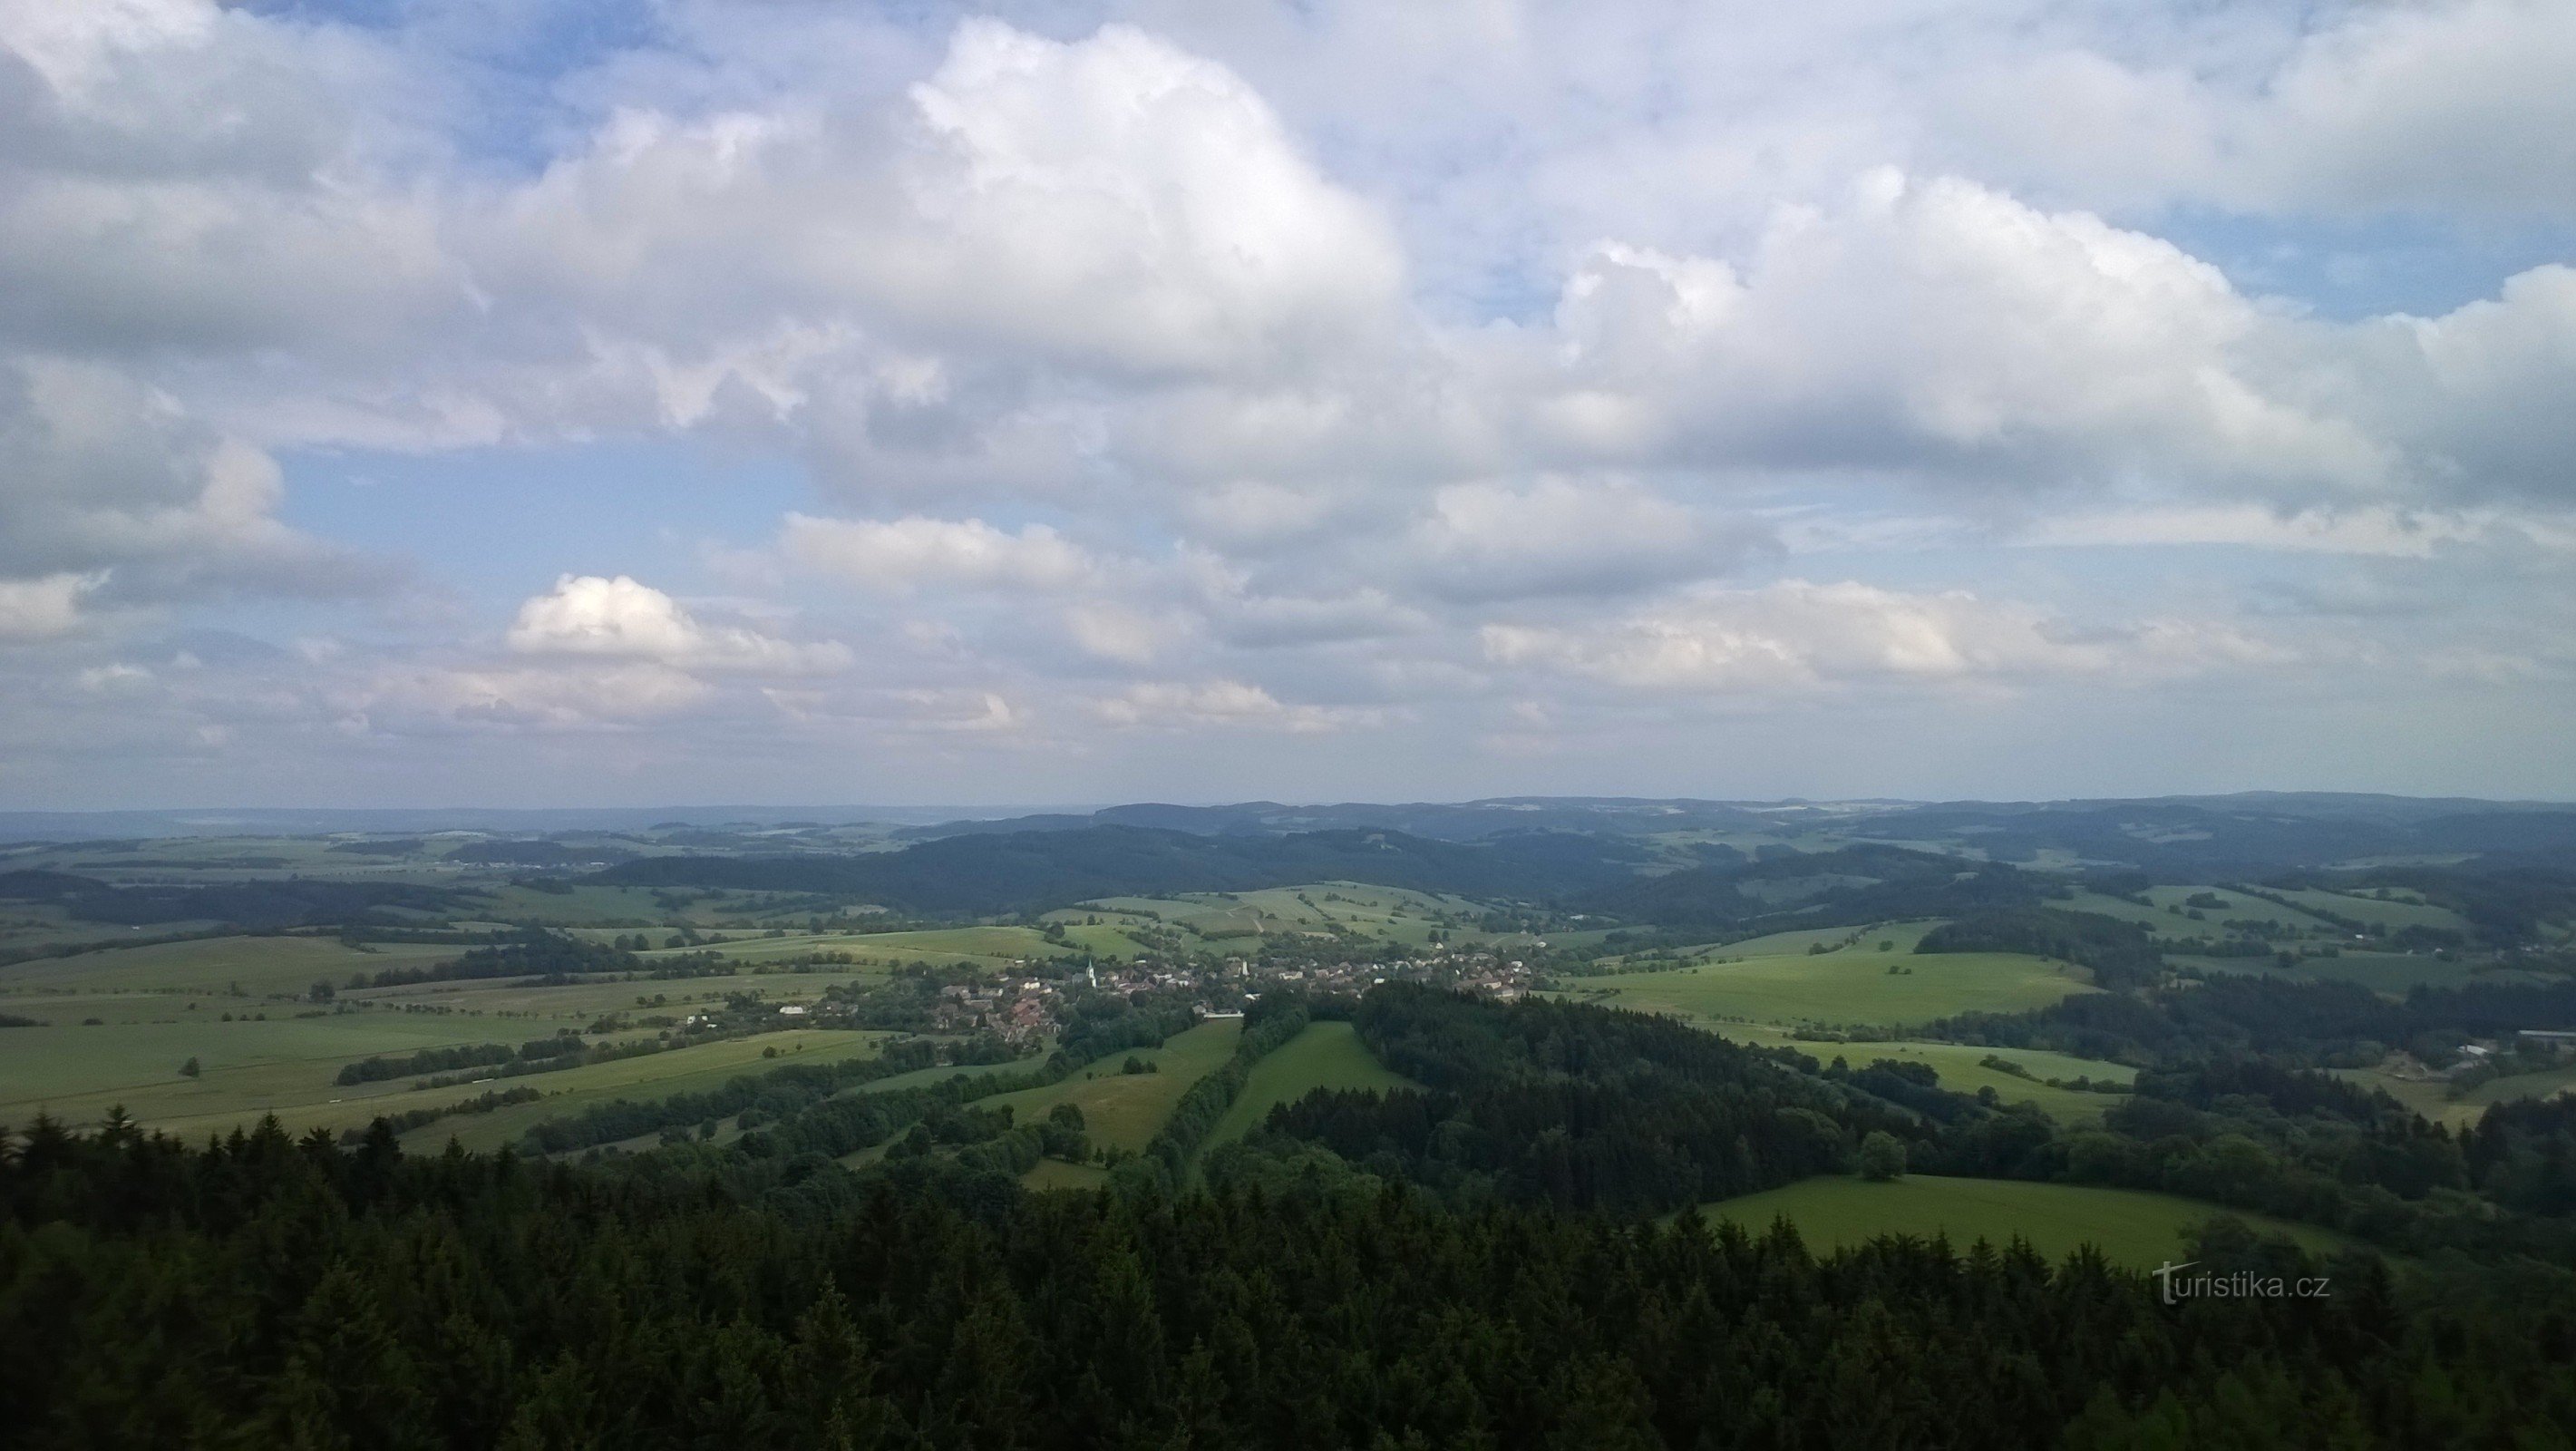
2176, 1287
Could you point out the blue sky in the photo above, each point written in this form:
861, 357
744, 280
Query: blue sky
457, 401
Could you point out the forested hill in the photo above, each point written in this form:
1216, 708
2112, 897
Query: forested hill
1025, 871
268, 1292
1853, 885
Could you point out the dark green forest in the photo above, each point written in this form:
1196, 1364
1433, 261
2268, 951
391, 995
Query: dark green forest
267, 1292
1489, 1261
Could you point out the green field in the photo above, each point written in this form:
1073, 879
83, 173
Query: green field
285, 1065
1849, 988
654, 1076
2401, 909
1962, 1070
2389, 973
261, 965
2130, 1227
1385, 914
1901, 937
1125, 1110
1325, 1055
2433, 1099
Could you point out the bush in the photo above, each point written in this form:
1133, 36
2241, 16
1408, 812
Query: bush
1882, 1156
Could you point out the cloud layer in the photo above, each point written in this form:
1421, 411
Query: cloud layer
1164, 386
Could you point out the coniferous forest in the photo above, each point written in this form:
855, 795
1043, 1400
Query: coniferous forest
1491, 1260
269, 1291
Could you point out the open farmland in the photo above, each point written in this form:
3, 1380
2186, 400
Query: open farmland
1962, 1069
2130, 1227
1853, 987
1901, 937
258, 965
2432, 1098
1391, 915
2394, 912
2389, 973
1125, 1110
246, 1068
693, 1069
1323, 1055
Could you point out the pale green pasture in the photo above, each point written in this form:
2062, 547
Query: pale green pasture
2130, 1227
212, 964
285, 1065
653, 1076
1962, 1070
1841, 989
1903, 936
2433, 1099
2399, 911
2389, 973
2239, 907
1322, 1055
1126, 1110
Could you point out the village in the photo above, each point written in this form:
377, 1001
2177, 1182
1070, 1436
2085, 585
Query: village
1024, 1004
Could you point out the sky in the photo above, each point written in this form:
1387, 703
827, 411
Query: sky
619, 402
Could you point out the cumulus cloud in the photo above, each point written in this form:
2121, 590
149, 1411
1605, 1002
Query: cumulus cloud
1561, 536
904, 710
1342, 371
98, 473
1171, 705
40, 609
900, 556
2373, 109
403, 700
1799, 635
587, 615
2368, 530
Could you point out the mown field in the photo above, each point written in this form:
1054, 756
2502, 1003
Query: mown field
2397, 910
2130, 1227
1385, 914
1900, 937
120, 1022
1852, 987
1324, 1055
258, 965
2433, 1099
2387, 973
1962, 1070
655, 1076
284, 1065
1125, 1110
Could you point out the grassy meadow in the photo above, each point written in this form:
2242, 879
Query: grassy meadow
1962, 1070
1850, 987
1126, 1110
659, 1075
1324, 1055
2432, 1098
2130, 1227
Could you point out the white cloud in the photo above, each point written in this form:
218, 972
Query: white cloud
1173, 705
1798, 635
587, 615
41, 609
1117, 632
2371, 530
2367, 110
435, 698
1559, 536
904, 710
900, 556
99, 474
